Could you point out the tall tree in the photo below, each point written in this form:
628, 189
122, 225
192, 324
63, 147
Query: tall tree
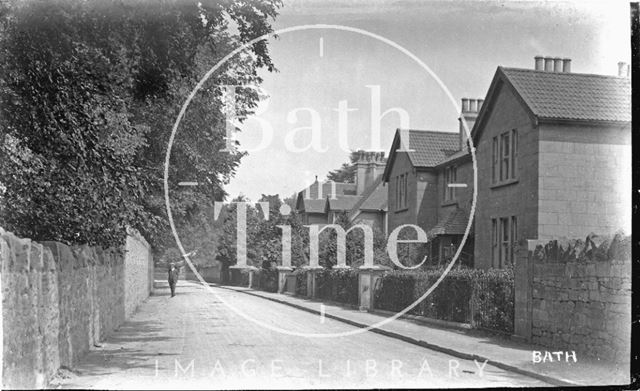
347, 172
89, 91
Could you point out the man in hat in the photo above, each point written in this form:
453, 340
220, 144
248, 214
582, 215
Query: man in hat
174, 274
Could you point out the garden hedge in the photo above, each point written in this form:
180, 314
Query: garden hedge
483, 298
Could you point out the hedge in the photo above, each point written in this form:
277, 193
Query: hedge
339, 285
301, 281
266, 280
484, 298
239, 277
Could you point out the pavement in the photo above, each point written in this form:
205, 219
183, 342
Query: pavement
201, 338
499, 351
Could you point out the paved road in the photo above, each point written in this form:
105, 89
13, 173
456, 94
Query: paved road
195, 341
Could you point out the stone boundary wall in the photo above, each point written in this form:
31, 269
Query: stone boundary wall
579, 296
136, 271
58, 301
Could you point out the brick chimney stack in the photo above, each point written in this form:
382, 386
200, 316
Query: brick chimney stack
369, 167
470, 110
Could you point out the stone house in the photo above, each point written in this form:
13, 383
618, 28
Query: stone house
554, 157
362, 201
421, 166
311, 202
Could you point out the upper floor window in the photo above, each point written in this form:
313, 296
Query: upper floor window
401, 191
504, 157
449, 178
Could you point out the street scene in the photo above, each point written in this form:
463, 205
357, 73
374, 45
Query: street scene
303, 194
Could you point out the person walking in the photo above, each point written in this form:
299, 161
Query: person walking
174, 274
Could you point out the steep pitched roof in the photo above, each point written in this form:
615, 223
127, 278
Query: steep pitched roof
454, 223
342, 203
561, 96
572, 96
374, 198
459, 155
426, 148
311, 206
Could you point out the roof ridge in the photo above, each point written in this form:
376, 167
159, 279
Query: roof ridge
430, 131
565, 73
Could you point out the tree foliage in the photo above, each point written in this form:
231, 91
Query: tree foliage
347, 172
89, 91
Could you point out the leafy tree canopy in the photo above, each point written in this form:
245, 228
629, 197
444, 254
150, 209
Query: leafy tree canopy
347, 172
89, 92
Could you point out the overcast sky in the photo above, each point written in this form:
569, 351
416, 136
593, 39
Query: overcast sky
461, 42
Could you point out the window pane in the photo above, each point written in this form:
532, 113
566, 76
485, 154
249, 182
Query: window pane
505, 230
514, 152
495, 160
505, 142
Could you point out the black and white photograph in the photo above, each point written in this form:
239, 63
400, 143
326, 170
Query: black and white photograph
317, 194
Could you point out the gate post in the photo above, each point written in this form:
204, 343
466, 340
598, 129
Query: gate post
283, 272
246, 269
312, 289
523, 289
368, 276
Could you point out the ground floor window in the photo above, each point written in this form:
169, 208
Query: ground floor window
504, 234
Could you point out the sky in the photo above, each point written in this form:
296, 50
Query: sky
461, 43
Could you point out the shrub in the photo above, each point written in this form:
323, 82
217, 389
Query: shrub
464, 295
239, 277
339, 285
266, 280
301, 281
493, 300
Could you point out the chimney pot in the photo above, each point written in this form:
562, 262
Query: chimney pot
472, 105
557, 64
548, 64
623, 69
566, 65
539, 63
465, 105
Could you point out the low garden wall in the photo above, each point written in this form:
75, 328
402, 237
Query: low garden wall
58, 301
580, 296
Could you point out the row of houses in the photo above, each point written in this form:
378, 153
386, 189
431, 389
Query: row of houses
552, 157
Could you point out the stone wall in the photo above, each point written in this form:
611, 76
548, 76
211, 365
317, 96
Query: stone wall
136, 271
585, 180
580, 296
518, 197
58, 301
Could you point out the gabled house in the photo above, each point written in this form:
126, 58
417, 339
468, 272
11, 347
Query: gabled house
321, 203
371, 208
554, 157
421, 166
311, 202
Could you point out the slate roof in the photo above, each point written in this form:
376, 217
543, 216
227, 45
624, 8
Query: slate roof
430, 147
314, 206
343, 203
341, 189
573, 96
454, 223
374, 198
455, 156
